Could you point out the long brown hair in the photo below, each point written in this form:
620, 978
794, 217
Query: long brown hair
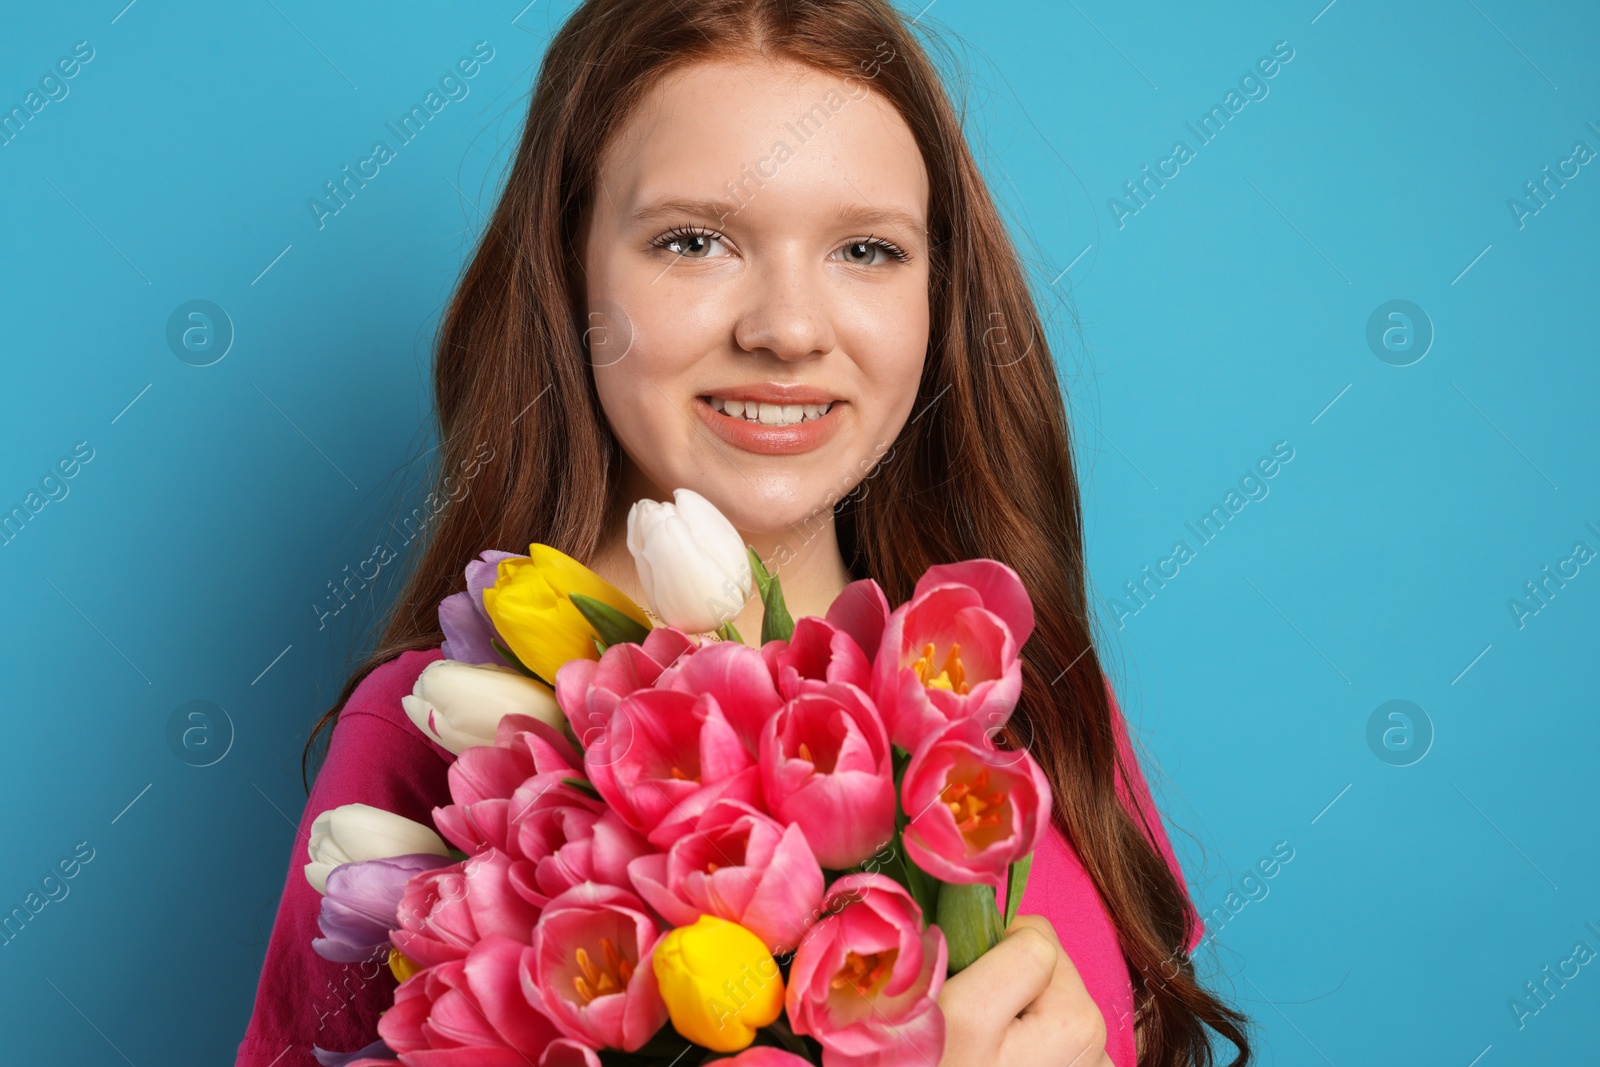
984, 470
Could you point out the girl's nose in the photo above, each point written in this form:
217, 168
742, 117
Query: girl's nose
786, 313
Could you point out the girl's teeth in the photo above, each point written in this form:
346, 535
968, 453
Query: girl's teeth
770, 414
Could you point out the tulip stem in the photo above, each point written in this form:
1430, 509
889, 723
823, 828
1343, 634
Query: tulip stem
728, 632
791, 1041
970, 918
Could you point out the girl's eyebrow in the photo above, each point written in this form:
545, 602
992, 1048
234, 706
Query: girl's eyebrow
867, 214
668, 206
720, 210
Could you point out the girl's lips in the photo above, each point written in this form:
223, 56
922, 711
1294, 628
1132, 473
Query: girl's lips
770, 440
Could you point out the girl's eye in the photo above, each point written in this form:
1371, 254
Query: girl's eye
867, 246
687, 241
691, 242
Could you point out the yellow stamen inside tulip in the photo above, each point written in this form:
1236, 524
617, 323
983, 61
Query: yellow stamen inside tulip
952, 676
973, 805
600, 981
821, 762
865, 974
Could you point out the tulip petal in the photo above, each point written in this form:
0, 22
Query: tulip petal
468, 637
999, 588
736, 675
861, 611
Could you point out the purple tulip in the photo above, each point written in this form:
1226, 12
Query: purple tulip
362, 903
376, 1051
467, 629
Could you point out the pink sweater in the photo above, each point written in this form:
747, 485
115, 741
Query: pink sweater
377, 757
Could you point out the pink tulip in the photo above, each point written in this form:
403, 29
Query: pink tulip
741, 865
590, 690
974, 809
590, 968
862, 611
443, 913
816, 653
567, 845
737, 677
524, 746
668, 757
765, 1056
468, 1012
952, 652
865, 979
565, 1052
489, 784
825, 767
488, 823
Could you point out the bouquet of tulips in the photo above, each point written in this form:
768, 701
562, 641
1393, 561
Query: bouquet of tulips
667, 846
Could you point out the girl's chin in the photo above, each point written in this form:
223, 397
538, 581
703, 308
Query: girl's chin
756, 513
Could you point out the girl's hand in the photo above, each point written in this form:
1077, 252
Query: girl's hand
1022, 1003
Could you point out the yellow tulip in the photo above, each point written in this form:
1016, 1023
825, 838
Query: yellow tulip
401, 965
719, 982
530, 607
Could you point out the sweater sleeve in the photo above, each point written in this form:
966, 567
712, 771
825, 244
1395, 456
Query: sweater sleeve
1136, 797
376, 757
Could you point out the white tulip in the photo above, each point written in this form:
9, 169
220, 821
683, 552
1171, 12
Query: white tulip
460, 704
692, 562
353, 833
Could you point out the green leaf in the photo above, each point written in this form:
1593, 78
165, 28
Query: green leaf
970, 918
728, 632
759, 570
776, 624
1016, 885
511, 658
582, 785
612, 626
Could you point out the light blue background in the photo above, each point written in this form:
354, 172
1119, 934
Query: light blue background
1228, 314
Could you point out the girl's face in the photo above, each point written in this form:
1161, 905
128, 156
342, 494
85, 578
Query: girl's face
758, 241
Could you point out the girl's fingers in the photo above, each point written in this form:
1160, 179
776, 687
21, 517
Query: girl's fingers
1063, 1016
995, 989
